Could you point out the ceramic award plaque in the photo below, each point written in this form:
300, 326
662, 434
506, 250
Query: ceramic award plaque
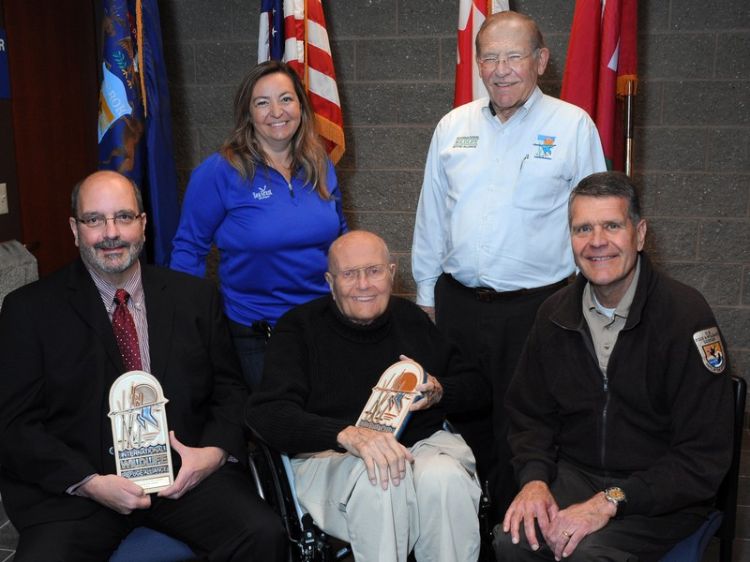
139, 431
388, 406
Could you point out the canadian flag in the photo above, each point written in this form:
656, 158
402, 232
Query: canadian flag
601, 65
471, 15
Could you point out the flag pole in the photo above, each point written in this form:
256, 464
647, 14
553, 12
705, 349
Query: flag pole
629, 114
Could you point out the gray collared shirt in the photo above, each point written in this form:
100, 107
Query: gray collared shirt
604, 330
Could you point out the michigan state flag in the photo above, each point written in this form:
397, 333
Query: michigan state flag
135, 134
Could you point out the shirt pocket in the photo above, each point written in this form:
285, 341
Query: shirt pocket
541, 185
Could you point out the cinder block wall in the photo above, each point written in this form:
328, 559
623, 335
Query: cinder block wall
395, 61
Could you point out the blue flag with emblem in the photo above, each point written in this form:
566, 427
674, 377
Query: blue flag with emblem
135, 132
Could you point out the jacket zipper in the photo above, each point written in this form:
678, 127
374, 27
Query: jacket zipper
604, 418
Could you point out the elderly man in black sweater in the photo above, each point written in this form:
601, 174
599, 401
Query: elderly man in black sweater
385, 497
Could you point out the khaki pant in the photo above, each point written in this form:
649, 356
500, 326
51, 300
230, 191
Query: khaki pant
432, 511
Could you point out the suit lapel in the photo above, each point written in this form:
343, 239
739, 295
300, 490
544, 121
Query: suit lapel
160, 312
87, 302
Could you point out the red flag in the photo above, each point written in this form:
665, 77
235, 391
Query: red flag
602, 60
471, 15
307, 50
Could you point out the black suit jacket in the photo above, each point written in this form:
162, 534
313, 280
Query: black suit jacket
58, 358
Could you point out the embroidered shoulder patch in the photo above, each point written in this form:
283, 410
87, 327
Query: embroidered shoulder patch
466, 142
711, 349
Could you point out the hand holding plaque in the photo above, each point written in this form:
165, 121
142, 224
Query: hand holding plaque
139, 431
388, 407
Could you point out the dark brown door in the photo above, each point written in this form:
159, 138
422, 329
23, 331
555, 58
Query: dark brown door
52, 54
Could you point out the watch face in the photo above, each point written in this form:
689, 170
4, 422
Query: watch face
616, 494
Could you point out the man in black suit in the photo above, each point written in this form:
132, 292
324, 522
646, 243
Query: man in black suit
58, 359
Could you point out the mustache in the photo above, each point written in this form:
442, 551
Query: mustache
109, 244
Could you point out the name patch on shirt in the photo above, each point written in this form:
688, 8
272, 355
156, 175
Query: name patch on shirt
711, 349
466, 142
544, 145
262, 193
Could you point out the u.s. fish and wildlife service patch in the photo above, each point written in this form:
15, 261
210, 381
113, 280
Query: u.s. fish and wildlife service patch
711, 349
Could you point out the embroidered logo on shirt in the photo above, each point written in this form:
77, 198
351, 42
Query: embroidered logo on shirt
711, 349
544, 145
466, 142
262, 193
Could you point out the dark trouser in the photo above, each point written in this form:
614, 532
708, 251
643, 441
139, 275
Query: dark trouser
634, 538
250, 343
221, 519
493, 332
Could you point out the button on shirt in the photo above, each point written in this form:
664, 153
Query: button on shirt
604, 329
493, 207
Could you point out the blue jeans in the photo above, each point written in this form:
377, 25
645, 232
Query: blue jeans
251, 348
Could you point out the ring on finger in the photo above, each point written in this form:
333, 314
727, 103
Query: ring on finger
567, 534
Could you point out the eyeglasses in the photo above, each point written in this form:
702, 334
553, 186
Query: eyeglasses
513, 60
375, 272
124, 218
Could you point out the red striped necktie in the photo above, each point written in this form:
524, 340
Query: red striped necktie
125, 333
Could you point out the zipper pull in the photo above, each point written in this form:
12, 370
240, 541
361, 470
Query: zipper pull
291, 189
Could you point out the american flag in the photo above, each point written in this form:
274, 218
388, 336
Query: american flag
295, 31
471, 15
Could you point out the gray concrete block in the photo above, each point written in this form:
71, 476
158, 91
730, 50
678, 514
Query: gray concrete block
720, 284
205, 105
405, 285
210, 139
370, 103
344, 56
706, 102
728, 150
180, 63
448, 59
648, 104
391, 147
558, 47
186, 147
361, 18
662, 148
695, 195
197, 20
732, 14
18, 267
225, 63
552, 16
653, 15
725, 241
424, 103
416, 17
395, 228
735, 326
245, 19
381, 190
672, 239
398, 59
733, 60
658, 53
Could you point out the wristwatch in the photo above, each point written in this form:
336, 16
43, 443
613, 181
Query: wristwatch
617, 496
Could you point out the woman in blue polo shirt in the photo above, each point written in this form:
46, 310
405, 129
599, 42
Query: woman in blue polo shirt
269, 201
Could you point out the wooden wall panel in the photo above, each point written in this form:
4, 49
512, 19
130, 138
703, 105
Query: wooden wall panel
54, 104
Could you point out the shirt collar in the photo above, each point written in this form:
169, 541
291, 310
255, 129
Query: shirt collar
133, 285
535, 96
623, 307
